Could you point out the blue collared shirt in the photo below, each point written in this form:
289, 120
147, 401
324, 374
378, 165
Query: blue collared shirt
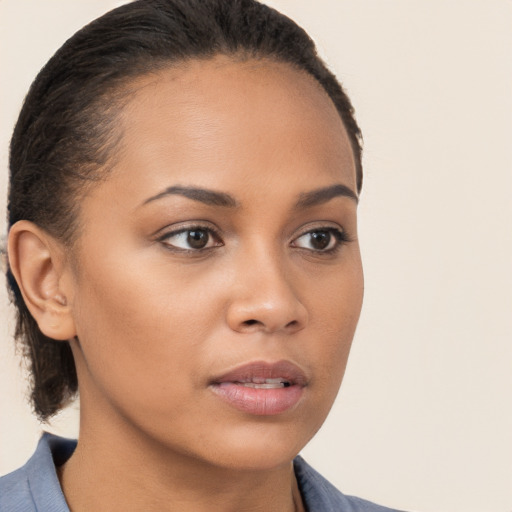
35, 486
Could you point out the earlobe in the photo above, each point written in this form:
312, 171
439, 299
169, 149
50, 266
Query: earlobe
36, 262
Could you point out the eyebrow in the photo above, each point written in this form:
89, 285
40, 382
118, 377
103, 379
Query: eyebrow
214, 198
202, 195
323, 195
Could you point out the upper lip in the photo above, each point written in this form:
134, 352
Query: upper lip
259, 370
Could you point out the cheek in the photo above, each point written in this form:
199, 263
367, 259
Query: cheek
141, 331
334, 317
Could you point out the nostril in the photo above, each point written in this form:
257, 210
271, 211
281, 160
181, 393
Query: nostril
252, 322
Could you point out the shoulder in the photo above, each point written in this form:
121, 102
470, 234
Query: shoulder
321, 496
15, 493
35, 486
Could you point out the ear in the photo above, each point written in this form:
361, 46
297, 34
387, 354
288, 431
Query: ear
38, 263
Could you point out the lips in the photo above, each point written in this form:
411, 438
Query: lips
261, 388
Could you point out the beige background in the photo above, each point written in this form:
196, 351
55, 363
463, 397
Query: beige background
424, 419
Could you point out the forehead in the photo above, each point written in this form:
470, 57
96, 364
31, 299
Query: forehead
218, 118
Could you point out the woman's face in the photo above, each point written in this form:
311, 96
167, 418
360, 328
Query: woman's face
217, 280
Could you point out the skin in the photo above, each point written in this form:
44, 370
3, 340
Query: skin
157, 322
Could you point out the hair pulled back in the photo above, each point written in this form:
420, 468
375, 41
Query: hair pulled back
65, 135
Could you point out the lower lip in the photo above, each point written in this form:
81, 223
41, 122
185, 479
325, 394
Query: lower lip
260, 402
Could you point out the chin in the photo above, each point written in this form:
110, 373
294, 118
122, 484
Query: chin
263, 448
255, 458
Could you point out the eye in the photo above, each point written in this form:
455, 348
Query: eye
321, 240
194, 238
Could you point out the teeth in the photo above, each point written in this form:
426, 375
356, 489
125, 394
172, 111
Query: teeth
260, 383
263, 386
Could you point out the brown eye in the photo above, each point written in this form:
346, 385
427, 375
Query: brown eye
320, 240
197, 239
193, 239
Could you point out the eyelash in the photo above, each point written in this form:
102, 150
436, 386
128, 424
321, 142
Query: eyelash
341, 238
188, 229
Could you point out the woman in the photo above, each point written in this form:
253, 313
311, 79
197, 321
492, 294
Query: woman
183, 250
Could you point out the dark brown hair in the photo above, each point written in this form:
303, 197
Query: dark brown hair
65, 135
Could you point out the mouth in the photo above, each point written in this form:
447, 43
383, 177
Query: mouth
261, 388
259, 383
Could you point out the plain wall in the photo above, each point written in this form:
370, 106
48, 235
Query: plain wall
424, 418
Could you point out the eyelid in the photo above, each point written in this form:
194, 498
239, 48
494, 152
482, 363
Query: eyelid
188, 225
336, 230
176, 229
319, 226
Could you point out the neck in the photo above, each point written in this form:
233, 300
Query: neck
117, 469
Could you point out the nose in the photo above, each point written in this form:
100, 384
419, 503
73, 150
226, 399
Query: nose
264, 298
